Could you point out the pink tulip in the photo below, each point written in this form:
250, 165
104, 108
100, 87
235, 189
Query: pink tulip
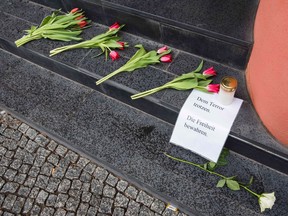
122, 45
213, 88
114, 55
82, 23
166, 58
162, 49
209, 72
74, 10
114, 26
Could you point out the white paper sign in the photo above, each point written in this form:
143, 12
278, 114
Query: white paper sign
203, 124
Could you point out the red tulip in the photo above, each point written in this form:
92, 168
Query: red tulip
74, 10
162, 49
213, 88
166, 58
114, 55
209, 72
122, 45
80, 17
82, 23
114, 26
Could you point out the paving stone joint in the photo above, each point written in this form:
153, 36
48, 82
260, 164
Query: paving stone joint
38, 176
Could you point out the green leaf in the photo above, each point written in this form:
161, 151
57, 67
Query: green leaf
138, 54
205, 166
198, 69
211, 166
183, 77
45, 20
204, 83
221, 183
222, 161
184, 84
232, 184
250, 182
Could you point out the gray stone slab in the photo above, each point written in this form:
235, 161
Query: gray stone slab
225, 17
129, 140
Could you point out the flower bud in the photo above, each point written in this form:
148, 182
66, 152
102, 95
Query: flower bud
162, 49
213, 88
209, 72
166, 58
114, 55
79, 17
82, 23
114, 26
266, 200
122, 45
74, 10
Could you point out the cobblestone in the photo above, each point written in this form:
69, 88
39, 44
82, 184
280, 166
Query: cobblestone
38, 176
131, 192
144, 198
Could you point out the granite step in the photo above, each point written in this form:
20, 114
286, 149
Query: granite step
218, 30
59, 96
129, 142
247, 137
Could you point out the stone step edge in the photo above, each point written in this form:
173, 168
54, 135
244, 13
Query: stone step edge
143, 186
177, 24
245, 47
165, 112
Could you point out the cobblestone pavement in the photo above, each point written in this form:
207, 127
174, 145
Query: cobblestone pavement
41, 177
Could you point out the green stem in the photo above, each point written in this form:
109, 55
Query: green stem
250, 191
196, 165
25, 39
65, 48
146, 93
109, 76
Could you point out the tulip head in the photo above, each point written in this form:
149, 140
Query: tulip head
209, 72
122, 45
114, 26
79, 17
74, 10
82, 23
166, 58
213, 88
114, 55
162, 49
266, 200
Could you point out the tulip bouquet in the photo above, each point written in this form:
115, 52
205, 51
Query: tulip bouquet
187, 81
265, 200
64, 27
141, 59
105, 41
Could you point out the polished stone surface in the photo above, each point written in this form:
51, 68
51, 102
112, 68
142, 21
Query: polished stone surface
226, 17
131, 142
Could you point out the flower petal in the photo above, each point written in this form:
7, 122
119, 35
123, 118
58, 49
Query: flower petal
162, 49
166, 58
114, 55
